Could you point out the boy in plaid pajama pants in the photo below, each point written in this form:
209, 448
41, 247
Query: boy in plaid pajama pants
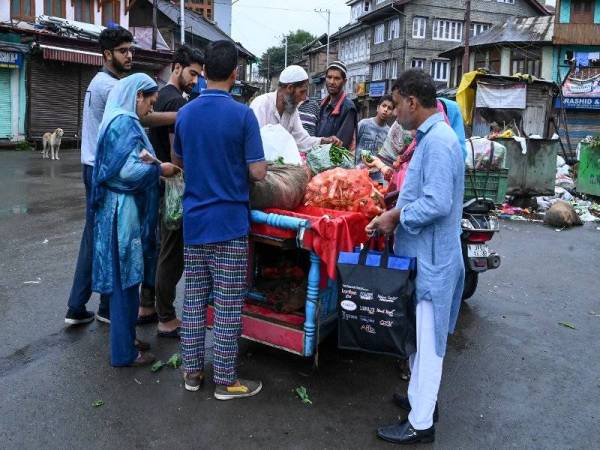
220, 161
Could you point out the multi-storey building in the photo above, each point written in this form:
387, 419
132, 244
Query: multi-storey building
412, 33
217, 11
354, 48
43, 76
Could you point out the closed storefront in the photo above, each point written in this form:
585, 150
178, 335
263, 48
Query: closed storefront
5, 105
12, 90
57, 89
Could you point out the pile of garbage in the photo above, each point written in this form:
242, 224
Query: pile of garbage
564, 193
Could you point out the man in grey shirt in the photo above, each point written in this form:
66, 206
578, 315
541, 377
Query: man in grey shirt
117, 49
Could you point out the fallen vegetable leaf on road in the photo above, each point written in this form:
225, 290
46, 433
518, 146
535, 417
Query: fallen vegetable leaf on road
567, 325
174, 361
157, 366
98, 403
302, 393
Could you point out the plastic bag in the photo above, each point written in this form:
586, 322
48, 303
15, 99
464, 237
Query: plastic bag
173, 207
279, 145
319, 158
483, 154
345, 190
283, 187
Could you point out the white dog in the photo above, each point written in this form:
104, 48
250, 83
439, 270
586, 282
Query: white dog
51, 143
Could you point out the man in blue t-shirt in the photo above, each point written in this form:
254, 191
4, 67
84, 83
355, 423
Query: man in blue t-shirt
220, 161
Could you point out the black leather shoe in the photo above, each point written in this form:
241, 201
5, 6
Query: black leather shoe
403, 403
404, 433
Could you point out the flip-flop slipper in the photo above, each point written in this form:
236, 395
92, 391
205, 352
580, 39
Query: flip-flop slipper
169, 334
147, 319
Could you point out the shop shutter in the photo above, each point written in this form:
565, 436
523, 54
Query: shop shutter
5, 105
581, 124
54, 98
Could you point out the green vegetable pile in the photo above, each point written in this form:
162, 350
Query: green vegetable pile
337, 155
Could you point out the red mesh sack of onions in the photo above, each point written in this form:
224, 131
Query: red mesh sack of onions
345, 190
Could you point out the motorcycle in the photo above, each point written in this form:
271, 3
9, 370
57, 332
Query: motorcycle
478, 228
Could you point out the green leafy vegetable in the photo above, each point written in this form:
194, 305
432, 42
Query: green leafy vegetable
98, 403
567, 325
302, 393
157, 366
174, 361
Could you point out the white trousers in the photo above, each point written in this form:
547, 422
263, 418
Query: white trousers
426, 370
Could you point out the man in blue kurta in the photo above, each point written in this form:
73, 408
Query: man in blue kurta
426, 221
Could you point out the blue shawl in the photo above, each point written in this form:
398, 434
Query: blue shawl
117, 139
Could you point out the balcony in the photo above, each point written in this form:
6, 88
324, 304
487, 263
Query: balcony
576, 34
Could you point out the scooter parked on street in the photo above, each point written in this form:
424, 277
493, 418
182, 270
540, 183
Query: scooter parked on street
478, 228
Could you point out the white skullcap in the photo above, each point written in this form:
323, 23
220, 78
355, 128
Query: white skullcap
293, 74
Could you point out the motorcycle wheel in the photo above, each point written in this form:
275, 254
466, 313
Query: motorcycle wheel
471, 280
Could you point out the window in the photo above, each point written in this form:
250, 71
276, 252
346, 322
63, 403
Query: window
378, 71
439, 70
357, 11
110, 11
582, 11
478, 28
55, 8
392, 69
447, 30
526, 61
22, 9
510, 2
419, 27
379, 34
495, 60
417, 63
84, 11
378, 2
394, 29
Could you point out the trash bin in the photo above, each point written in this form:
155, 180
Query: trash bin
588, 176
533, 173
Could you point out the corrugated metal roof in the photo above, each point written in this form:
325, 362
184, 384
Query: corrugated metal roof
196, 24
516, 29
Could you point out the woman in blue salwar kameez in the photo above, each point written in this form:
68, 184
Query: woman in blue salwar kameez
125, 198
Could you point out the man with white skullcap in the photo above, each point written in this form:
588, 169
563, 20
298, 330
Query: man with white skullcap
338, 114
281, 107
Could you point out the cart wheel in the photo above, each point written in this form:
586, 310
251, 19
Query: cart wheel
471, 280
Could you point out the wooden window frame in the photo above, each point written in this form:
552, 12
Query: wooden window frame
13, 15
63, 4
524, 59
91, 4
586, 17
116, 13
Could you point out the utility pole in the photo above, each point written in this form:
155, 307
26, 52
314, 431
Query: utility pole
286, 51
467, 32
154, 25
328, 12
182, 20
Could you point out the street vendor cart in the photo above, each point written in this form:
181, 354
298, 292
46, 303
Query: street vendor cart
293, 293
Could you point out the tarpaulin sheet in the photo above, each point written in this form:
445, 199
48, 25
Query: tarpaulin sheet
330, 233
501, 96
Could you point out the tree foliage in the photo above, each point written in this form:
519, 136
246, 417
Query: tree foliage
272, 61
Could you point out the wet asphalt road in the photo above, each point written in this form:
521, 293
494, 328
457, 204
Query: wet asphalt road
514, 378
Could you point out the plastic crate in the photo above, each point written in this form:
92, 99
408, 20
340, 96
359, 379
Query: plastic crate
484, 184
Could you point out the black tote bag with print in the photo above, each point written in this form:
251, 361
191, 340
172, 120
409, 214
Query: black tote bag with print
376, 305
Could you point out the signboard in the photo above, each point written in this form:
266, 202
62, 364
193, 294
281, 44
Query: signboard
10, 60
361, 89
574, 87
579, 103
377, 89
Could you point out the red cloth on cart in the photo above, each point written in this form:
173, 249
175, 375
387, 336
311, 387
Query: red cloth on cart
330, 233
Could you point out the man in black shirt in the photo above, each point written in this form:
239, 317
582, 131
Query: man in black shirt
156, 305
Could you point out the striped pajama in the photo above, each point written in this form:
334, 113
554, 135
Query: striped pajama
219, 269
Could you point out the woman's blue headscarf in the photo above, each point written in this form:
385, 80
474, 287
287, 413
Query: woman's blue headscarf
121, 101
116, 140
